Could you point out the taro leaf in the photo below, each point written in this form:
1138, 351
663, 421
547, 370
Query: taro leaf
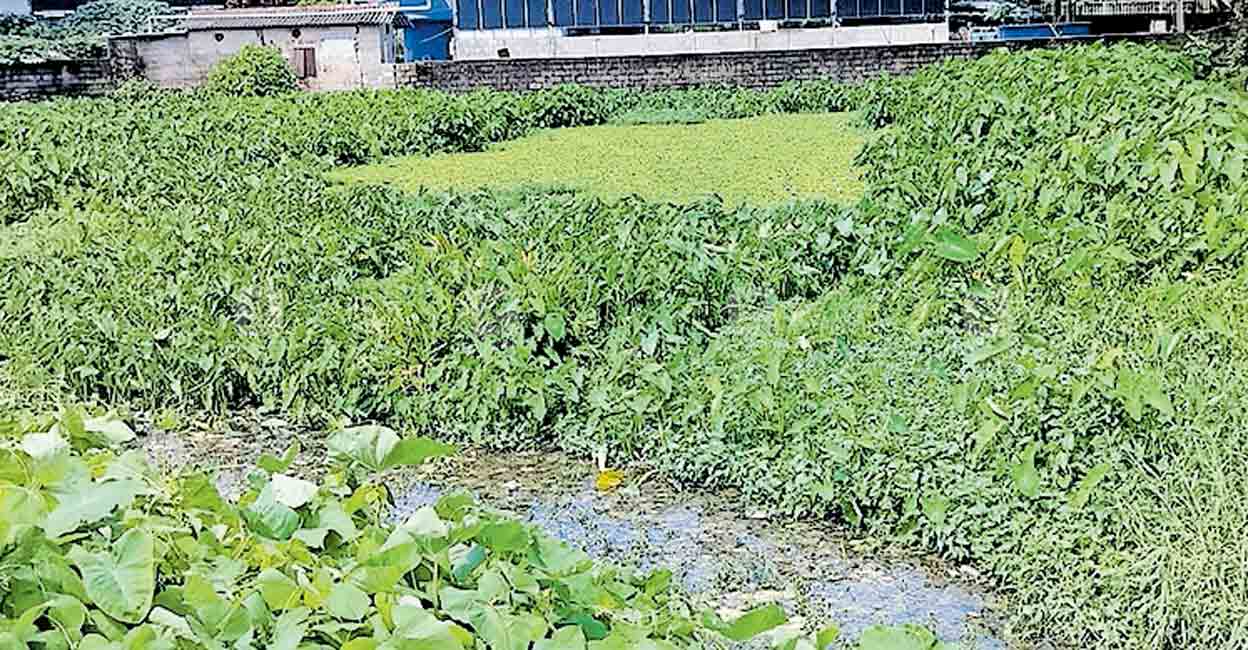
334, 518
415, 451
557, 558
279, 591
275, 465
935, 508
827, 636
505, 536
42, 446
174, 623
903, 637
554, 326
292, 492
755, 622
592, 628
465, 565
268, 518
366, 445
69, 613
454, 506
89, 504
421, 630
289, 630
346, 601
1024, 473
378, 448
955, 247
312, 537
425, 523
111, 428
565, 638
1083, 491
120, 583
503, 631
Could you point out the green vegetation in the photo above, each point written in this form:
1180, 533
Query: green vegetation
1023, 347
99, 551
27, 39
254, 71
757, 161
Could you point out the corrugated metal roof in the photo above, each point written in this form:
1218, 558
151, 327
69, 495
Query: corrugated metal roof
291, 17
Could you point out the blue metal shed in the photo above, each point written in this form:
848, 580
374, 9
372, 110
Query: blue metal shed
429, 37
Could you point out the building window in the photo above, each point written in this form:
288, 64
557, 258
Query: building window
305, 62
296, 33
218, 37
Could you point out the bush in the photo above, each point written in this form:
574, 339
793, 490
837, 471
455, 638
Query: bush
565, 105
131, 552
115, 17
254, 71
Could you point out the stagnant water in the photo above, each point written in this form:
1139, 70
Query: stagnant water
853, 594
717, 547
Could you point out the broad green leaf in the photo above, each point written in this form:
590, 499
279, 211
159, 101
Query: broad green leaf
292, 492
274, 465
955, 247
91, 503
268, 518
421, 630
505, 536
415, 451
289, 630
120, 583
554, 326
755, 622
1083, 490
332, 517
904, 637
279, 591
465, 565
111, 428
1024, 473
425, 523
827, 637
935, 508
312, 537
564, 638
348, 602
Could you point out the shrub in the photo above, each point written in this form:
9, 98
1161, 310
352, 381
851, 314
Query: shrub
254, 71
658, 116
135, 89
565, 105
129, 552
115, 17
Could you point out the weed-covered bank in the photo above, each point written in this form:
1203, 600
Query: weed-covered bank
1023, 347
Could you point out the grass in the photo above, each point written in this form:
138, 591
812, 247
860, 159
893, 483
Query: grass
760, 160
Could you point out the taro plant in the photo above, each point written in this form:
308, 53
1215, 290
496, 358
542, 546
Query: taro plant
98, 551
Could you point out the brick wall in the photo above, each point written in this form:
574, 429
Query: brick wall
752, 69
39, 80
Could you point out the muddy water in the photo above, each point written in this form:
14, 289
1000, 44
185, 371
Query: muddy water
719, 548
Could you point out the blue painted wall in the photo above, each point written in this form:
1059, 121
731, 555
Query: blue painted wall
429, 37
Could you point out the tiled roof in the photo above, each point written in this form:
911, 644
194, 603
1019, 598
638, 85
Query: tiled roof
292, 17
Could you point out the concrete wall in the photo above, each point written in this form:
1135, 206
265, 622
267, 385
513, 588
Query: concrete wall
748, 69
54, 78
359, 56
551, 43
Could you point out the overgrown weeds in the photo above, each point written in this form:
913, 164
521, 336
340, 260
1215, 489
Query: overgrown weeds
1022, 348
